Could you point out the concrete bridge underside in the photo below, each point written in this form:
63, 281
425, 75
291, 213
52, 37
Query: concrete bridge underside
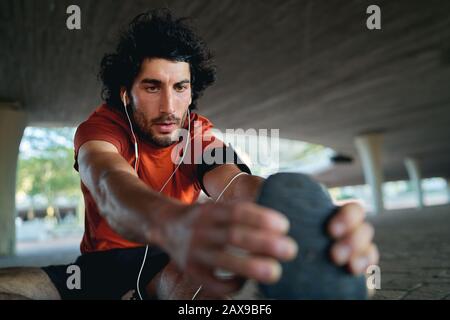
310, 68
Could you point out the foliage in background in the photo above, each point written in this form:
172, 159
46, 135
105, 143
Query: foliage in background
46, 164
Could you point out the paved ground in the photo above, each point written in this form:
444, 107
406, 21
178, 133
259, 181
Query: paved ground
414, 245
415, 254
44, 253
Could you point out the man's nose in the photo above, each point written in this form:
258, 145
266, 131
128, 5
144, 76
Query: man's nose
166, 104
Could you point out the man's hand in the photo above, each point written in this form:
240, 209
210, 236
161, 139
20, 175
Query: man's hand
198, 238
353, 236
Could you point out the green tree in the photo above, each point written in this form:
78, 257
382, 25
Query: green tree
46, 165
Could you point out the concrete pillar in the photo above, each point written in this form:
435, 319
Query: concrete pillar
12, 124
370, 153
448, 190
412, 166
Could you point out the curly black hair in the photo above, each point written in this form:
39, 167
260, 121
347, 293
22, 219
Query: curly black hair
155, 34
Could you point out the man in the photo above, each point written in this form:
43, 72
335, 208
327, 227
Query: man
136, 194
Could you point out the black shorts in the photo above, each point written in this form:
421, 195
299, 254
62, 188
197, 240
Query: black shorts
109, 274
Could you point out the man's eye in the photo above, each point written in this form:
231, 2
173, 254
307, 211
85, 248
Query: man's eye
152, 89
180, 88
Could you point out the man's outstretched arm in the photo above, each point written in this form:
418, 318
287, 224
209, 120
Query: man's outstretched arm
353, 246
195, 236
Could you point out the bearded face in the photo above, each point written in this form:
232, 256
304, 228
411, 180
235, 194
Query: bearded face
160, 97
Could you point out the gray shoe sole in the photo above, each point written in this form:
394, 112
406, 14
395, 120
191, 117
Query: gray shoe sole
311, 275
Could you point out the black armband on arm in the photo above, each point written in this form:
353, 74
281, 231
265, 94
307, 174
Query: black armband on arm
219, 156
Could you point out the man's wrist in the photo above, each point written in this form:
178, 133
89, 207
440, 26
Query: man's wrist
246, 188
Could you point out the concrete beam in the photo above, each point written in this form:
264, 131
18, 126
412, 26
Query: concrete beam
12, 124
415, 178
369, 150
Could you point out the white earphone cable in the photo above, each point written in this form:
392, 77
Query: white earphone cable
136, 151
138, 280
218, 198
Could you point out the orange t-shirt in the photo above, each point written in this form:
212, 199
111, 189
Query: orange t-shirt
154, 168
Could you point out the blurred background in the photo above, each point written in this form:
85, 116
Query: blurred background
366, 112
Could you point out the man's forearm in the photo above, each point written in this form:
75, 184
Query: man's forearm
244, 188
131, 208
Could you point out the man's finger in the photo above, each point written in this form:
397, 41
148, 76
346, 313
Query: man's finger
359, 263
262, 269
374, 254
346, 219
246, 213
356, 242
256, 241
253, 215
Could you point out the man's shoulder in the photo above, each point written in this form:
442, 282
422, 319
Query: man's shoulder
103, 111
103, 124
201, 120
103, 115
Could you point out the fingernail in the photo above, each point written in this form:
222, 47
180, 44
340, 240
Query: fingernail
271, 272
281, 223
342, 254
287, 248
360, 264
338, 229
276, 272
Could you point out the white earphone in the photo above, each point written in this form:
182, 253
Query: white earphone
136, 151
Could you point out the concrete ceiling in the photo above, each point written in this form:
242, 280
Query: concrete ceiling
310, 68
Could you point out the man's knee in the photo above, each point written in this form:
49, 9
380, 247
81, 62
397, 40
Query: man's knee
170, 283
26, 283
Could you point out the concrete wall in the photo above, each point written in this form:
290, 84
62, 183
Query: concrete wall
12, 124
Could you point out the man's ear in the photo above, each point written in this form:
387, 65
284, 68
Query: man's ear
124, 96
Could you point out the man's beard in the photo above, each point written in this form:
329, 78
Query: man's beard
144, 128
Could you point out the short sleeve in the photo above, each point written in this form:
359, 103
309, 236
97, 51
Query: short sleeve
100, 128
